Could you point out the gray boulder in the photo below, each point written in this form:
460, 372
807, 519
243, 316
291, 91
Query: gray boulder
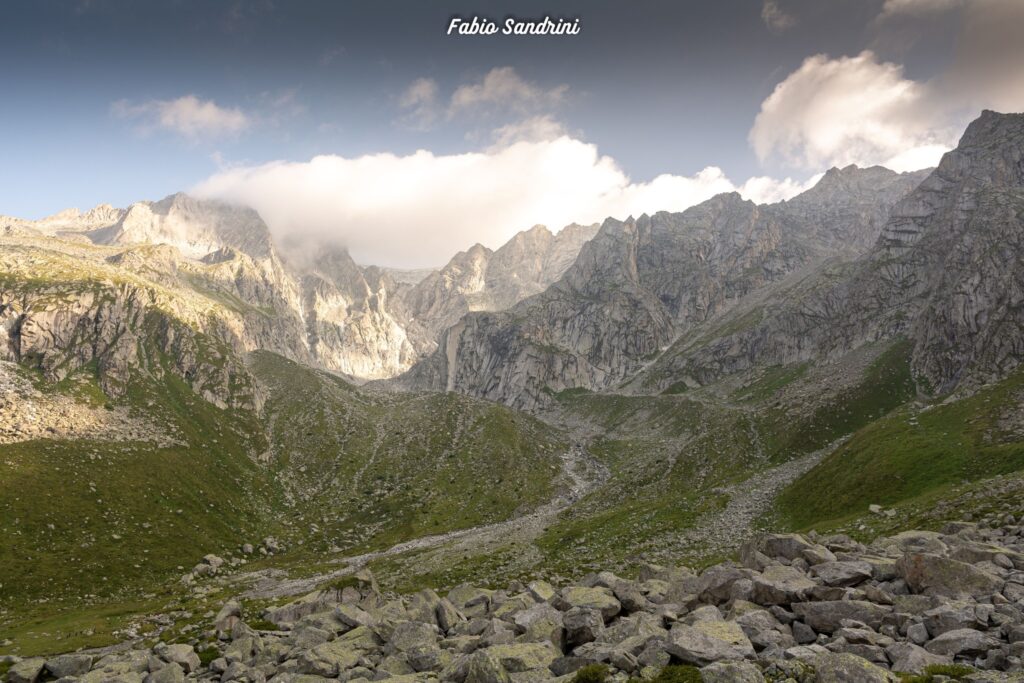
826, 616
706, 642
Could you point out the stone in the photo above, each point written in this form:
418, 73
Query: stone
182, 654
848, 668
708, 641
582, 625
354, 616
962, 642
483, 667
67, 666
543, 622
826, 616
843, 573
716, 583
912, 659
731, 672
172, 673
785, 546
26, 671
779, 585
519, 657
918, 634
803, 634
229, 615
542, 591
423, 606
411, 634
936, 575
599, 598
328, 660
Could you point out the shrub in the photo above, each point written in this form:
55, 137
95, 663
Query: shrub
955, 672
679, 673
592, 673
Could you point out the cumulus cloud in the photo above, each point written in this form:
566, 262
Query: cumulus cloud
188, 116
532, 129
850, 110
418, 210
502, 88
893, 8
775, 18
420, 100
863, 110
500, 91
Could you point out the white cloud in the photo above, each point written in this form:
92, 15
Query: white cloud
418, 210
866, 111
775, 18
188, 116
851, 110
532, 129
893, 8
504, 89
420, 101
765, 190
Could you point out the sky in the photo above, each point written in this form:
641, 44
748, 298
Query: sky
367, 125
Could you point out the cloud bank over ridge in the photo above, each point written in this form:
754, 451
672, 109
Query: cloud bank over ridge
418, 210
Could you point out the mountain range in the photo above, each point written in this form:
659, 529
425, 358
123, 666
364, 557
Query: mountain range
180, 382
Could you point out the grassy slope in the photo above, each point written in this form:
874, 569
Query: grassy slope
92, 526
376, 469
910, 454
128, 519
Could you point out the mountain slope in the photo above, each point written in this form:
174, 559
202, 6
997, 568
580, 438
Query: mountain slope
640, 284
946, 272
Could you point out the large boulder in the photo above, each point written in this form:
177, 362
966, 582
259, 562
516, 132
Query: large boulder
848, 668
181, 654
328, 660
785, 546
779, 585
598, 597
582, 625
962, 642
826, 616
843, 572
519, 657
912, 659
484, 667
67, 666
731, 672
26, 671
706, 642
936, 575
409, 635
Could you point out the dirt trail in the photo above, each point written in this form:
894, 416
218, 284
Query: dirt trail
582, 474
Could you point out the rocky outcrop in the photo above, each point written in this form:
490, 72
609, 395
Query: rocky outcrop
642, 283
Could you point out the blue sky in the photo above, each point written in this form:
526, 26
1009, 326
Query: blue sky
117, 101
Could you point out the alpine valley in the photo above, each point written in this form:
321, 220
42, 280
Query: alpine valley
772, 441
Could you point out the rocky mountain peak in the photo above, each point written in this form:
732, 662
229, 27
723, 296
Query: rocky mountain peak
197, 227
991, 151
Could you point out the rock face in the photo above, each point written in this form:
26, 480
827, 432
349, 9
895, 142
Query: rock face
821, 632
482, 280
640, 284
215, 268
945, 273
